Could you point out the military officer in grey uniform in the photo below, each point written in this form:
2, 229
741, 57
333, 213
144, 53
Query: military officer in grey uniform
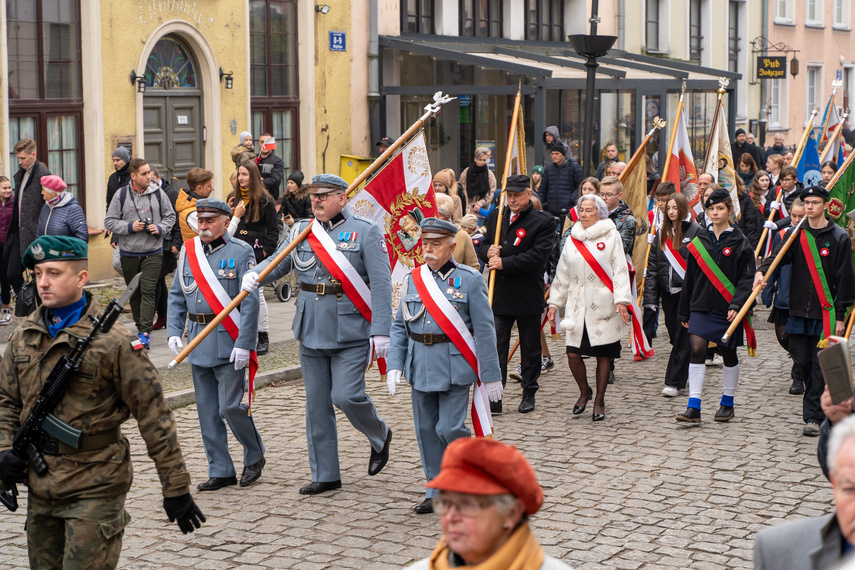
335, 337
219, 362
424, 354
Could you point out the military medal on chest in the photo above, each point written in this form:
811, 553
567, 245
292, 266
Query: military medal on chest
231, 271
222, 271
453, 288
345, 238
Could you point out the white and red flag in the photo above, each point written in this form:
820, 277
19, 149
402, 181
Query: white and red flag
681, 167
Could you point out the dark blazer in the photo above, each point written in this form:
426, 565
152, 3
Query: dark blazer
750, 221
735, 258
519, 285
813, 543
30, 199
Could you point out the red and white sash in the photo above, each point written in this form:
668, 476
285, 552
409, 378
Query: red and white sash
345, 273
678, 264
602, 268
574, 214
453, 326
217, 298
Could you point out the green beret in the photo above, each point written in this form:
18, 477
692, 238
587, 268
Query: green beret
55, 248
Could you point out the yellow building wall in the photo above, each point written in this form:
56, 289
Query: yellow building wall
216, 31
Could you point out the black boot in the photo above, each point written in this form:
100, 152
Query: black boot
798, 386
527, 404
263, 344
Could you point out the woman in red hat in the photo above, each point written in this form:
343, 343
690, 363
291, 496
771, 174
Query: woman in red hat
487, 491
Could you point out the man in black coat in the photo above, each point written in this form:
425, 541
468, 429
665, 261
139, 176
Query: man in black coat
121, 177
526, 240
28, 206
806, 324
740, 146
271, 167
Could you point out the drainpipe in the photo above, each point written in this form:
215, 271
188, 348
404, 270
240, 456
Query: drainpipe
621, 24
373, 76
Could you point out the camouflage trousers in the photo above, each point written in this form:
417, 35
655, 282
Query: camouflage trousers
75, 534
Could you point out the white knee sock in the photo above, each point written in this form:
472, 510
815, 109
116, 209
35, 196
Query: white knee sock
697, 373
730, 378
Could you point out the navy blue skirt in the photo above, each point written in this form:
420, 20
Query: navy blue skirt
712, 327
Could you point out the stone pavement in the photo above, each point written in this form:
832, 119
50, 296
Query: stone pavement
635, 491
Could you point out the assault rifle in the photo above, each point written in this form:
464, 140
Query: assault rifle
41, 419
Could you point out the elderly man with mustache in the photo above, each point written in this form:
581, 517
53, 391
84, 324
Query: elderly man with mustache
443, 307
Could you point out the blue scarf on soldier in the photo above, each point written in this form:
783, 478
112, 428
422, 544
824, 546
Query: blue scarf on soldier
62, 317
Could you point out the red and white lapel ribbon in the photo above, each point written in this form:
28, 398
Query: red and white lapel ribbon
345, 273
453, 326
217, 298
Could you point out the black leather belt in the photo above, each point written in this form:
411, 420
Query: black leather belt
51, 446
429, 338
322, 288
201, 318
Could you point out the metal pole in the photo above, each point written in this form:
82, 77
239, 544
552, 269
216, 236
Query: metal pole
588, 138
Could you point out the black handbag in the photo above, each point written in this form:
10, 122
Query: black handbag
27, 300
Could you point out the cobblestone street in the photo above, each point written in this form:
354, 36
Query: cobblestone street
635, 491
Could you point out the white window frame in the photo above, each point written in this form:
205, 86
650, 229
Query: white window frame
816, 21
776, 103
664, 23
817, 88
841, 8
785, 12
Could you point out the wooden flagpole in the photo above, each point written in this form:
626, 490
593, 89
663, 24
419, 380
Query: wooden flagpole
501, 208
835, 83
834, 137
722, 85
808, 130
431, 110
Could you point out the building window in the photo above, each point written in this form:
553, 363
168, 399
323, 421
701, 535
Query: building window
417, 16
733, 38
544, 20
784, 11
814, 13
847, 86
273, 48
169, 66
275, 98
812, 96
45, 84
775, 102
841, 14
481, 18
651, 25
696, 38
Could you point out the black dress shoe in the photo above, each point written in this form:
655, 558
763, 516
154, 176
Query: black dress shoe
215, 483
251, 473
691, 415
599, 417
424, 508
612, 377
495, 408
379, 458
527, 404
724, 413
579, 409
798, 387
263, 344
316, 488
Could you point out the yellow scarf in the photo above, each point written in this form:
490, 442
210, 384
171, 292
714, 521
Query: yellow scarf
520, 552
244, 195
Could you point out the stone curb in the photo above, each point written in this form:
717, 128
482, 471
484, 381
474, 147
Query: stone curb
289, 374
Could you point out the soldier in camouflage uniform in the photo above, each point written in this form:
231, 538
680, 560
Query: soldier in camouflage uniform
75, 514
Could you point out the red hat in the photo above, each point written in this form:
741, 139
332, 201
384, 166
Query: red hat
482, 466
54, 183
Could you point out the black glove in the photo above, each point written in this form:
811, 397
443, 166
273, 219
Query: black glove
184, 510
13, 469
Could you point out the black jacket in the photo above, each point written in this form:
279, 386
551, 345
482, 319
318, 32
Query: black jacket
661, 277
738, 150
751, 220
519, 285
735, 258
272, 170
119, 178
24, 226
298, 208
559, 187
262, 234
837, 265
769, 152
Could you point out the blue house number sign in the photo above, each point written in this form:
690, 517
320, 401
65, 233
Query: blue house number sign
338, 41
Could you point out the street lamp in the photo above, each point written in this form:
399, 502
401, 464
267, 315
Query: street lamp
229, 78
591, 46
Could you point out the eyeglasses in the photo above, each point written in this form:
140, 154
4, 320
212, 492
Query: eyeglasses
323, 197
468, 507
604, 195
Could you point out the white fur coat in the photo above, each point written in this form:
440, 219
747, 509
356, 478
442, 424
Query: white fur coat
586, 300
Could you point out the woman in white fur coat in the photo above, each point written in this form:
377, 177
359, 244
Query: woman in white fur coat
595, 314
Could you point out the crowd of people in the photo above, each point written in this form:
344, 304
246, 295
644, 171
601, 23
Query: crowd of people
557, 251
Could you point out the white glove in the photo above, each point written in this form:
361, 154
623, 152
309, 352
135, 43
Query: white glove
644, 273
175, 344
494, 390
250, 282
393, 378
775, 205
381, 346
770, 225
650, 237
240, 356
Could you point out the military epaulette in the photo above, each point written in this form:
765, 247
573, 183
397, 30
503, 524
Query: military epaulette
468, 269
362, 218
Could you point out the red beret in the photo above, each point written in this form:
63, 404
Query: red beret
53, 182
482, 466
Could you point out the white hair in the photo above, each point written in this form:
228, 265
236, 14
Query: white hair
840, 434
602, 210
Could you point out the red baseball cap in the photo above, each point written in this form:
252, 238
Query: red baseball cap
482, 466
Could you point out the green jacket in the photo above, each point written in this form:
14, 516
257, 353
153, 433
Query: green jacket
115, 381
